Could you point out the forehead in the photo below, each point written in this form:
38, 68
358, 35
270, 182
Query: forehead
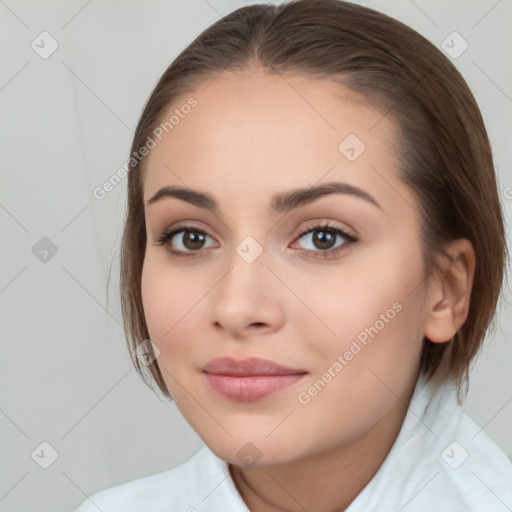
257, 133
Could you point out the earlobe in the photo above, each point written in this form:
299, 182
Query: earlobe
449, 292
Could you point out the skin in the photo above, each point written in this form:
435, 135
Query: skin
250, 136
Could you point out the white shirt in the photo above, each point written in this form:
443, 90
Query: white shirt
441, 461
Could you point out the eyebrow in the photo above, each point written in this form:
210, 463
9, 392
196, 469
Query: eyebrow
281, 202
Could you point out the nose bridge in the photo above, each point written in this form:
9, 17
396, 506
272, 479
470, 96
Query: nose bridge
247, 269
245, 294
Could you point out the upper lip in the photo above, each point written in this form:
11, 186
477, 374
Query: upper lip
247, 367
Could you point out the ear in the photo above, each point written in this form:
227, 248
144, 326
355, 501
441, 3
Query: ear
450, 291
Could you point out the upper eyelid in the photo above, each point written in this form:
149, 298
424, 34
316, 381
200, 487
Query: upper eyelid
310, 226
329, 224
311, 223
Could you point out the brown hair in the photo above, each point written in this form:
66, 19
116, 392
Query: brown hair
444, 150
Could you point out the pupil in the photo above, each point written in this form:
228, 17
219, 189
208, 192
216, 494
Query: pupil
323, 239
193, 240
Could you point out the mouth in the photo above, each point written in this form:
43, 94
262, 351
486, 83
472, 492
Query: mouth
250, 379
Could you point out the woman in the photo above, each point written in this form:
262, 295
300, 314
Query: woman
313, 252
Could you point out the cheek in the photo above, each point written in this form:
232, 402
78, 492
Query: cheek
375, 322
169, 298
168, 309
156, 297
374, 294
370, 360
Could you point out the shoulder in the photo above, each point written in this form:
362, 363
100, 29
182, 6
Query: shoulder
441, 460
181, 488
469, 470
474, 468
463, 467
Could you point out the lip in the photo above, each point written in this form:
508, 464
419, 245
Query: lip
247, 380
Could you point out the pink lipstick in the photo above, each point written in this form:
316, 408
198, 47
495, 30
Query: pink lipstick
247, 380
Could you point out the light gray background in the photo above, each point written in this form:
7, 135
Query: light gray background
66, 124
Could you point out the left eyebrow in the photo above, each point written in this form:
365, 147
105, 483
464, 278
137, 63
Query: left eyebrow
280, 203
286, 201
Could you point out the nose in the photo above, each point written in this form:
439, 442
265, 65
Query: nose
247, 300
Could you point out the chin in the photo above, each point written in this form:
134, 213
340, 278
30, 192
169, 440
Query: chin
253, 449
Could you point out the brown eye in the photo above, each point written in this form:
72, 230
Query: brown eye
184, 241
324, 241
325, 238
192, 240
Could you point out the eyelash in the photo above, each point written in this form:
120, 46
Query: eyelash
166, 236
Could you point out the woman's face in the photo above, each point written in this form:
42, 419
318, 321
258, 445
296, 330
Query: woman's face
258, 274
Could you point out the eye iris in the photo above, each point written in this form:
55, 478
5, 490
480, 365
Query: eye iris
193, 240
324, 239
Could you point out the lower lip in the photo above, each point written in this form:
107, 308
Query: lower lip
249, 389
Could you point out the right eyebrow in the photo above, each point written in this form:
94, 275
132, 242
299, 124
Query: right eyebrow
199, 199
